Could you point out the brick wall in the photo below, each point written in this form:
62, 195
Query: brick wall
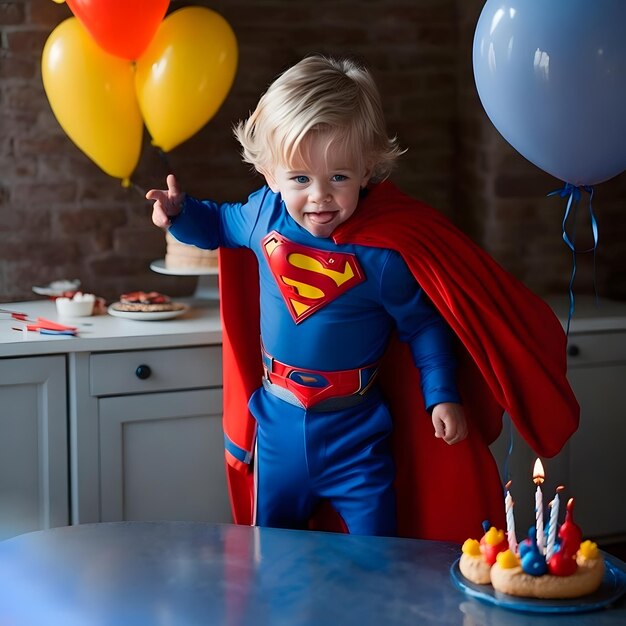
62, 217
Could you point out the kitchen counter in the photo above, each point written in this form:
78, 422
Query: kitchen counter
590, 315
199, 325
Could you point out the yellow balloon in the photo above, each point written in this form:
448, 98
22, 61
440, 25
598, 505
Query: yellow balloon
92, 95
185, 74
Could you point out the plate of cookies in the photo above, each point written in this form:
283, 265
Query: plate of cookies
147, 306
611, 589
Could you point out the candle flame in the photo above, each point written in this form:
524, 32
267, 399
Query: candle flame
508, 485
538, 473
560, 488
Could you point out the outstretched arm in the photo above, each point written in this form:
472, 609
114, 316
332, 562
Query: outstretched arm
167, 202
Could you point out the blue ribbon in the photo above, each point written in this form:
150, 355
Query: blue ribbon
573, 195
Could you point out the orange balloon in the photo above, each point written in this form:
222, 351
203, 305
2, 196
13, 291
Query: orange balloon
185, 74
121, 27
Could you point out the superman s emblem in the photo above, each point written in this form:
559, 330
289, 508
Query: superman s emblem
309, 278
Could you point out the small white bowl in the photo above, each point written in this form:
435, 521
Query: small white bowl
67, 307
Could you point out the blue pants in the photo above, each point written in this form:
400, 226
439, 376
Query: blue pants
344, 456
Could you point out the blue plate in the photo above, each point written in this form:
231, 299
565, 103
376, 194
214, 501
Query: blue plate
612, 587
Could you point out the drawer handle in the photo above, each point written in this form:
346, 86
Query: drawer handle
143, 372
573, 350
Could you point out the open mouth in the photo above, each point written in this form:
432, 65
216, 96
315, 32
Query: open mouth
323, 217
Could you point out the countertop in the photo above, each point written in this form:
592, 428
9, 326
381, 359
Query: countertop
188, 574
590, 314
200, 325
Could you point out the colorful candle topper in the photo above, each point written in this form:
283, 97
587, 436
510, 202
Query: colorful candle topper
538, 478
570, 531
563, 562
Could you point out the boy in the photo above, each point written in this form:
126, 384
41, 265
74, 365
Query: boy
335, 291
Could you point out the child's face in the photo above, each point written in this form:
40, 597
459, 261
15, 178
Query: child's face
323, 191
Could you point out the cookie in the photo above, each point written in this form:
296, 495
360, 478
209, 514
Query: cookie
515, 582
144, 297
147, 308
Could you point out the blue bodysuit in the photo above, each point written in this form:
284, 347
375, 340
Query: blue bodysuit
325, 308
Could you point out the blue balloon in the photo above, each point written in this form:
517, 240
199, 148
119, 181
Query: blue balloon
551, 75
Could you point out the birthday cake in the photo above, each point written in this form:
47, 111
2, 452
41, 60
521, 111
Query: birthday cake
556, 564
182, 256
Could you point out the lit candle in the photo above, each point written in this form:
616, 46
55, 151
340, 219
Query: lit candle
510, 519
538, 478
554, 522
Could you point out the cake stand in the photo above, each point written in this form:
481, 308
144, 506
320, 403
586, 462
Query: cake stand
207, 287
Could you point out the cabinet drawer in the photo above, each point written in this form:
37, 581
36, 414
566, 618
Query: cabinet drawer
113, 373
590, 348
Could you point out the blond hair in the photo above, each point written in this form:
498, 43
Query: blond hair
336, 97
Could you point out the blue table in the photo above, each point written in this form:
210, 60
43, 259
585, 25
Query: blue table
187, 574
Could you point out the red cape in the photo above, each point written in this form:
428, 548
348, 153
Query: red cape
512, 359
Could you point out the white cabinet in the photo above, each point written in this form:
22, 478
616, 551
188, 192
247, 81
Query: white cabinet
33, 445
147, 440
597, 456
122, 422
162, 458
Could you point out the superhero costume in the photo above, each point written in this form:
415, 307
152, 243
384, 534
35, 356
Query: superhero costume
513, 360
329, 309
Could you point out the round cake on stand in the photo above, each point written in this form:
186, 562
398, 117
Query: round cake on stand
185, 260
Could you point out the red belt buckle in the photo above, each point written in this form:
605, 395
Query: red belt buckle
313, 386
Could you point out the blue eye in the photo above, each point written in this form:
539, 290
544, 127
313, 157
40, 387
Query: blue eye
301, 180
338, 178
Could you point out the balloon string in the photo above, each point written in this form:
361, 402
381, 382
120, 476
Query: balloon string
166, 161
140, 190
573, 195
